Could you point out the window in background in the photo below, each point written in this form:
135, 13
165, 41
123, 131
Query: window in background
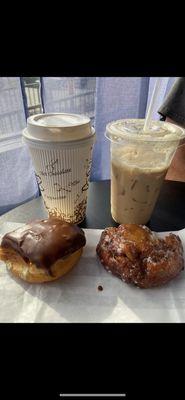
31, 89
12, 114
12, 118
61, 94
70, 94
18, 182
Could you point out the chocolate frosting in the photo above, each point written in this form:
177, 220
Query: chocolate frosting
43, 242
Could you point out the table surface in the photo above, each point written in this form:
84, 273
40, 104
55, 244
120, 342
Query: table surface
169, 213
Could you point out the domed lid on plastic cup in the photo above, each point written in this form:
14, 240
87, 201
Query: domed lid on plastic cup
55, 127
133, 130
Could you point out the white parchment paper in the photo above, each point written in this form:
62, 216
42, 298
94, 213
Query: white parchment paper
76, 298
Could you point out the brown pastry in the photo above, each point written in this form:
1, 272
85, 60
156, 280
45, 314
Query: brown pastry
138, 256
42, 250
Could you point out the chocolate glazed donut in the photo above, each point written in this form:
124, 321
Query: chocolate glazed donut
43, 250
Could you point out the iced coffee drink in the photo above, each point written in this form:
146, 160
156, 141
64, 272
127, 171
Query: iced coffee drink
139, 163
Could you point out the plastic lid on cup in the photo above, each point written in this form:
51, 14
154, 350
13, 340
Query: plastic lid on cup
53, 127
132, 129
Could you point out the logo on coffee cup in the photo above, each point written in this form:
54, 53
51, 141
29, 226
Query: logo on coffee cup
51, 169
60, 188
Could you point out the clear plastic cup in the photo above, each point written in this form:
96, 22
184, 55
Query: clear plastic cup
139, 163
61, 147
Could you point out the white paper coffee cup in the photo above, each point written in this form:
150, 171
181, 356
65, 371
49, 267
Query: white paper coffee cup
61, 149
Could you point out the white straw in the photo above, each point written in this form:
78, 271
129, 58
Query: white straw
152, 104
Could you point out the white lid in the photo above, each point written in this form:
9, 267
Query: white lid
56, 127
